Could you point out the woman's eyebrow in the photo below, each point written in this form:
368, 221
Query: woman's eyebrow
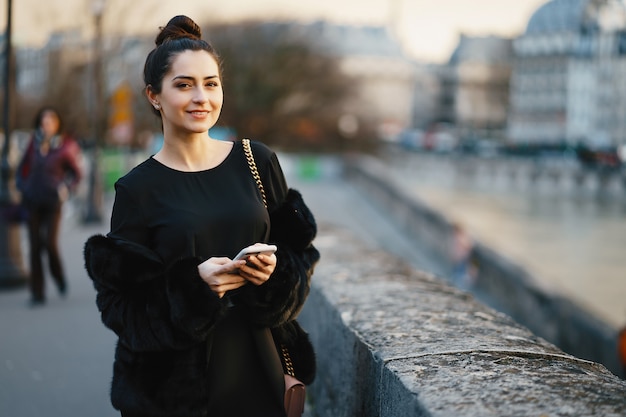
188, 77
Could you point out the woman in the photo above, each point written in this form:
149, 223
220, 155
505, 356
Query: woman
192, 323
47, 173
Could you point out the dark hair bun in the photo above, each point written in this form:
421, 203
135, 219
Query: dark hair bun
179, 27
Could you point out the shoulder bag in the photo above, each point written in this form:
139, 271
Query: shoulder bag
295, 391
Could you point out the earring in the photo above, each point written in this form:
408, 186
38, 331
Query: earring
157, 106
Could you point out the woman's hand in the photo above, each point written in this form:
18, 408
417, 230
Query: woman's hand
222, 274
258, 268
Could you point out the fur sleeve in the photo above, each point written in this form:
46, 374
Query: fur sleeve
148, 305
301, 352
281, 298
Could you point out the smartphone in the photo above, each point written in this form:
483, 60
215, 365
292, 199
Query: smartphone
255, 250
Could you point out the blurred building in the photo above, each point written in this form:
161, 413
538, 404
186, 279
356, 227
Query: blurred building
388, 99
568, 84
474, 87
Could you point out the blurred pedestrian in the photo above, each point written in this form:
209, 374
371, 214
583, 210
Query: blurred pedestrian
461, 251
193, 323
48, 172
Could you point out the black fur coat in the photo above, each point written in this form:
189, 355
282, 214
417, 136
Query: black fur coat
164, 314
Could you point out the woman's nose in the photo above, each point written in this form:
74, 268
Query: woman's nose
200, 96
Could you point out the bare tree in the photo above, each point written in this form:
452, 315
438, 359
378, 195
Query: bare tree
278, 87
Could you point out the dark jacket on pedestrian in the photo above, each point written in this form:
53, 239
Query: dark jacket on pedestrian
39, 177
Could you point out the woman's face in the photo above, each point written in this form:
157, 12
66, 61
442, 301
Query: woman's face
191, 96
50, 123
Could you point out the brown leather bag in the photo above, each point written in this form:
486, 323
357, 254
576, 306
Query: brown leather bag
295, 391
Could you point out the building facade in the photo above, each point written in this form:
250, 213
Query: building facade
387, 81
475, 87
568, 84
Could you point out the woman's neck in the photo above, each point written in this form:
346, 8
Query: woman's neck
194, 154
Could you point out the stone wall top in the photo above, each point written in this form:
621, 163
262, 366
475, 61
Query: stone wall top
402, 342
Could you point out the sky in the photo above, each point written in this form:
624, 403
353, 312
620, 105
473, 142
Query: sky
428, 29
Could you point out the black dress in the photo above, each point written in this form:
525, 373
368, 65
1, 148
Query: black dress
205, 214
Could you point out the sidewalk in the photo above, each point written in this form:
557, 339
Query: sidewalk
56, 360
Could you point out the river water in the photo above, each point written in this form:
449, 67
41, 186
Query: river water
572, 243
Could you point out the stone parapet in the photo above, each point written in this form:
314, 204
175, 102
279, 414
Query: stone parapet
501, 283
396, 342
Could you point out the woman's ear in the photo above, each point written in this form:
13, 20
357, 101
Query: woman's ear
152, 97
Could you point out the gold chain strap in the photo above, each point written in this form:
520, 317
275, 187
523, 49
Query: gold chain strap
288, 363
257, 178
255, 172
